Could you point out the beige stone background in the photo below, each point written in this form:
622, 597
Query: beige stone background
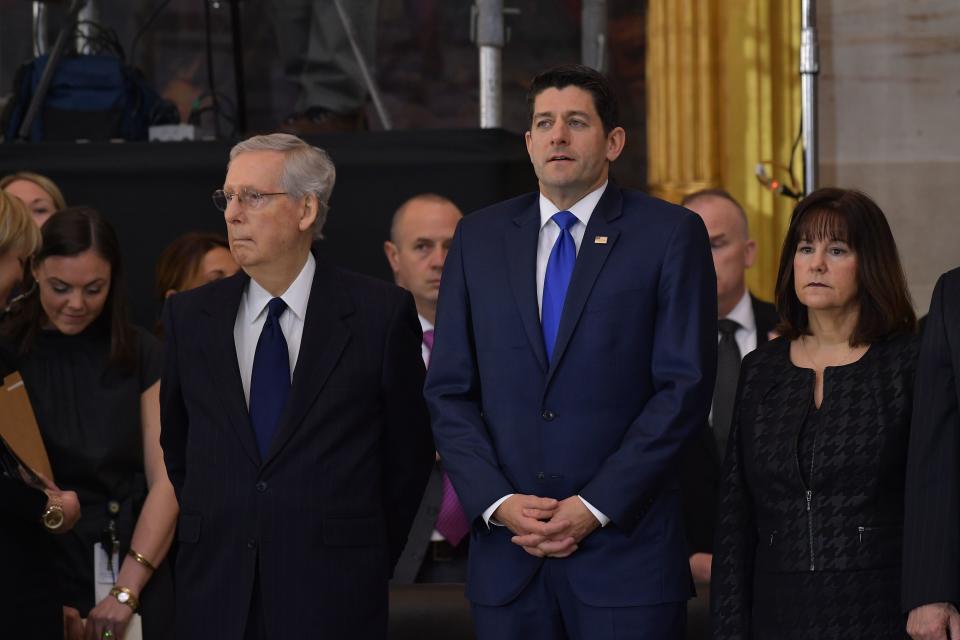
890, 121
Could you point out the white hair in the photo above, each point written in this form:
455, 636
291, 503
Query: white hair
306, 169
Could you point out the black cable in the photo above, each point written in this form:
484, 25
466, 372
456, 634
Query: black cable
105, 39
146, 25
210, 80
793, 153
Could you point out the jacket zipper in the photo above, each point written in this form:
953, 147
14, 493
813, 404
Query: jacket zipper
810, 526
813, 457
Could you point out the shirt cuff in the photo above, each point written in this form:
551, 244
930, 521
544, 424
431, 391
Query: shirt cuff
488, 514
604, 520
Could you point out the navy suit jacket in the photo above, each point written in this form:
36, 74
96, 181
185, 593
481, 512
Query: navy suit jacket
322, 518
630, 382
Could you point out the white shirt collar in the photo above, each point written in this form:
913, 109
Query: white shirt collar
425, 324
296, 296
582, 209
742, 313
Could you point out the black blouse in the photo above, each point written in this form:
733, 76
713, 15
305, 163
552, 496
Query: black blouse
89, 415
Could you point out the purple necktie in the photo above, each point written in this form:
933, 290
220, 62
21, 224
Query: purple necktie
451, 522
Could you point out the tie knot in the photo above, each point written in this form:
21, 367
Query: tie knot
564, 220
428, 339
275, 308
727, 327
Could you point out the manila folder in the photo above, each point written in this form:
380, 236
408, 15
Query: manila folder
18, 426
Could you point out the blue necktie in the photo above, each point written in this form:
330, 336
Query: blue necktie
557, 279
270, 381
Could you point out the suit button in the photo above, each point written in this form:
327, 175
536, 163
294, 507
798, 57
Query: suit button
262, 486
251, 544
540, 475
548, 415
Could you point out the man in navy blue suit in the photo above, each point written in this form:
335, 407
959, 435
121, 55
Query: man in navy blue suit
574, 357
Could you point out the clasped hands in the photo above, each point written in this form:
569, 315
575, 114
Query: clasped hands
545, 527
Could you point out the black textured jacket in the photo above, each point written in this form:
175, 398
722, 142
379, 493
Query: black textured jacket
851, 515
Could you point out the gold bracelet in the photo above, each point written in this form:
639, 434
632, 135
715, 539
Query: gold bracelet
125, 596
139, 558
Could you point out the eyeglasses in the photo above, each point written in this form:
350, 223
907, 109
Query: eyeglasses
246, 197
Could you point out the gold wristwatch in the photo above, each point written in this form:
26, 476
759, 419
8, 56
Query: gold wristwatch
52, 518
125, 596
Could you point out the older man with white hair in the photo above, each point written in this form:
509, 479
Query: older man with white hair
294, 430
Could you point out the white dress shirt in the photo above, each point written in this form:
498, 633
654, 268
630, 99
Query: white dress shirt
252, 315
549, 232
425, 325
746, 335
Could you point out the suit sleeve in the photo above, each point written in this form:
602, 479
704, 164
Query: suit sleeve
173, 413
931, 551
453, 394
731, 583
408, 446
683, 366
21, 503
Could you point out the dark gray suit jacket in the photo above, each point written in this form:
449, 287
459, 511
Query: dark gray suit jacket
408, 566
319, 521
702, 460
931, 537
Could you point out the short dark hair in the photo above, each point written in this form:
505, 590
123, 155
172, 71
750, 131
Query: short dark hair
578, 75
851, 217
70, 232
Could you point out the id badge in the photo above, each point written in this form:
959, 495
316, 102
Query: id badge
105, 569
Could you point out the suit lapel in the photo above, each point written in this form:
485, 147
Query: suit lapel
325, 335
221, 352
590, 261
522, 265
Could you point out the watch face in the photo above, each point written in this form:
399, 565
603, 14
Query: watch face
53, 518
123, 597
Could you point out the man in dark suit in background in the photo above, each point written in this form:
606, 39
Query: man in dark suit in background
420, 236
931, 537
294, 430
744, 323
574, 358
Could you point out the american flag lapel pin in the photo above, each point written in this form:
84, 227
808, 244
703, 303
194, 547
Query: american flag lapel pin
600, 240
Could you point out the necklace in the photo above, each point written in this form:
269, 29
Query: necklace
816, 365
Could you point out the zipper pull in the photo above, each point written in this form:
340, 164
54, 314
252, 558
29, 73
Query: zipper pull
860, 531
809, 498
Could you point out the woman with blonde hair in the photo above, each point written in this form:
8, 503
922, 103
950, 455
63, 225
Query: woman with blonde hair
19, 239
41, 195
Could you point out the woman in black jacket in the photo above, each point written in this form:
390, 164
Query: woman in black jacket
811, 507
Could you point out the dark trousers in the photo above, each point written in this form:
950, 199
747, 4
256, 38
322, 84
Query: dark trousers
443, 563
547, 609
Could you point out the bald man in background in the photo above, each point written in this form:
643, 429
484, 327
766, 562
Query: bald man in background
420, 236
744, 323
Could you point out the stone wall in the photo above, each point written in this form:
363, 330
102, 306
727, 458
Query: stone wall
890, 121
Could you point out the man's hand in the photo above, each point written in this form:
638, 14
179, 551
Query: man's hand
932, 621
700, 566
571, 522
525, 514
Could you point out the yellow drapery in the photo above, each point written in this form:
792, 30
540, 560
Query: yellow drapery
723, 93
